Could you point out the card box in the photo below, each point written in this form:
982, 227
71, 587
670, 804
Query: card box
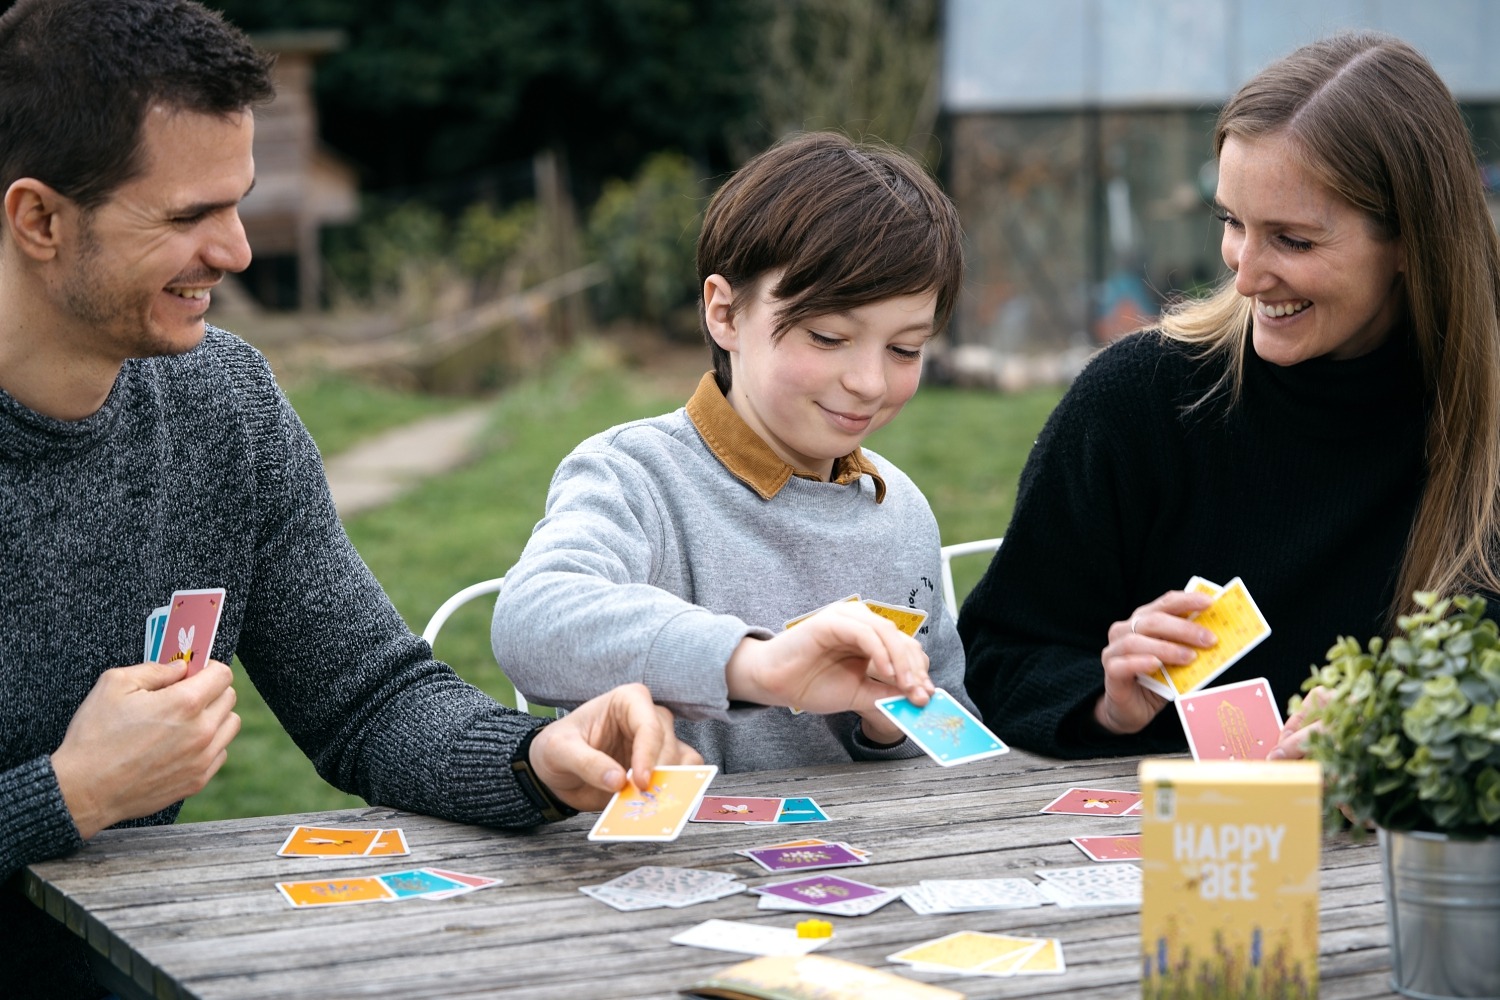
1230, 877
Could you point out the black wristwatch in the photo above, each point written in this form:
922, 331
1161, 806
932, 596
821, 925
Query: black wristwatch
551, 808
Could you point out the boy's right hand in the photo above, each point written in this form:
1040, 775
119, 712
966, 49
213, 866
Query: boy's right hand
842, 659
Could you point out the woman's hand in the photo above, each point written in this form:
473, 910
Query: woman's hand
1292, 744
1154, 635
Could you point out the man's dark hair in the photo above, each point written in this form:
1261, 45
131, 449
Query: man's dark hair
78, 76
847, 224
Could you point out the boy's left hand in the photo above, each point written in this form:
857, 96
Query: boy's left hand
842, 659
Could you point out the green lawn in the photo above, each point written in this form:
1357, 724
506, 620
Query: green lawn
964, 448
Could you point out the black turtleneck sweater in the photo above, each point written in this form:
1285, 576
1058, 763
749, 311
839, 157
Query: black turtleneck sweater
1306, 488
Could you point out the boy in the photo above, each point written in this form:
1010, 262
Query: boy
674, 549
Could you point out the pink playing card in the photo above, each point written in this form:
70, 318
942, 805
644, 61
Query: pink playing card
1231, 722
1092, 802
728, 809
192, 623
1126, 847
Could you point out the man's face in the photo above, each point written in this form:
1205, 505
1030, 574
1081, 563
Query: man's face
138, 276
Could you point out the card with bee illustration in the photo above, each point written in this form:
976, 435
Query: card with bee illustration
943, 728
192, 623
661, 810
1093, 802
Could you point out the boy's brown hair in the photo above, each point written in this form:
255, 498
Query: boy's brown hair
847, 224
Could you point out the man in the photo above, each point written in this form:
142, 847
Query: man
142, 453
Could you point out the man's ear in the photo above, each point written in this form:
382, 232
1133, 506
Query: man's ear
718, 312
34, 215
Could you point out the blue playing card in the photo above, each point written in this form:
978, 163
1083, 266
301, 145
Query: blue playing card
156, 630
943, 728
417, 883
801, 811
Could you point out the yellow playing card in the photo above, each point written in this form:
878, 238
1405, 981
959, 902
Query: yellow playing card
804, 617
1237, 622
661, 811
335, 892
1157, 681
965, 950
1045, 961
908, 620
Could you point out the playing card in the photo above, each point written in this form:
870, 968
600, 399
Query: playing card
787, 859
1096, 885
419, 882
964, 951
802, 810
1092, 802
624, 901
658, 813
156, 630
390, 843
1235, 619
192, 623
335, 892
826, 893
674, 886
328, 842
1157, 680
943, 728
806, 842
748, 938
1126, 847
1047, 960
1231, 722
972, 895
727, 809
908, 620
466, 883
804, 617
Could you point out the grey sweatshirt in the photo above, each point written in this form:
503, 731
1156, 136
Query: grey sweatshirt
654, 561
196, 473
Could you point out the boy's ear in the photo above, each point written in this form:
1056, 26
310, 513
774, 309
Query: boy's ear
718, 314
33, 212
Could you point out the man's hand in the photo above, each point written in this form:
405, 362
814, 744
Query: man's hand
146, 736
582, 757
842, 659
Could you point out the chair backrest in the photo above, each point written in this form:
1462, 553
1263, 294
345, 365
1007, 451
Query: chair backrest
458, 600
961, 549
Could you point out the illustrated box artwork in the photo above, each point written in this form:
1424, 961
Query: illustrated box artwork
1229, 860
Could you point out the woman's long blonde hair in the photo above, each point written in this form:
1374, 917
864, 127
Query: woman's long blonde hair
1375, 123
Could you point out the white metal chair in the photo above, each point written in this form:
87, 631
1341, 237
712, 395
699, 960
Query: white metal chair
458, 600
961, 549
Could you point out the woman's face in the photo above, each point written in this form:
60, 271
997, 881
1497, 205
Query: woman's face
1323, 284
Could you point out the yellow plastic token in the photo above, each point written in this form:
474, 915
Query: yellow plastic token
814, 929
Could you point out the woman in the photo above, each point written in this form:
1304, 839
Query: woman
1326, 426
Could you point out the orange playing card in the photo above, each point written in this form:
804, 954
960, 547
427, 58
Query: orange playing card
335, 892
661, 811
328, 842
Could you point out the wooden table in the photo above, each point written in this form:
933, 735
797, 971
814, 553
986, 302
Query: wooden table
190, 910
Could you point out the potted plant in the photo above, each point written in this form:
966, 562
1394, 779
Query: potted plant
1409, 741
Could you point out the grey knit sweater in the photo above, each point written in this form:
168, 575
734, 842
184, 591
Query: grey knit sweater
196, 473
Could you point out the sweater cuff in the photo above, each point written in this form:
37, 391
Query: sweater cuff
861, 748
486, 787
35, 823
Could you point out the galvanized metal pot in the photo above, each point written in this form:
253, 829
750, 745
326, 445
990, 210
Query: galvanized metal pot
1442, 899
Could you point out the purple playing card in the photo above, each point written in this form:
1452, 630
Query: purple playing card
820, 890
805, 858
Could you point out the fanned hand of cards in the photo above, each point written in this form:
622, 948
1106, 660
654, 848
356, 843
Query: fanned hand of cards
184, 629
945, 730
1234, 618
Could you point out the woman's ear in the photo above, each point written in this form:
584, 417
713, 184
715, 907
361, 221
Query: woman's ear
718, 312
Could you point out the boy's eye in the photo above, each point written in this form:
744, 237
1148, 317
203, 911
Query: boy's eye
906, 353
821, 340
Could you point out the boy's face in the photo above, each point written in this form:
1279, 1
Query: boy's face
829, 381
